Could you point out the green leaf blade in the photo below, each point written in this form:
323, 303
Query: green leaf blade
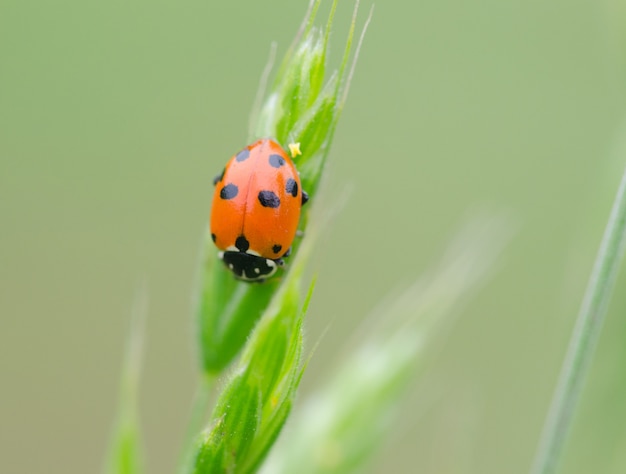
125, 452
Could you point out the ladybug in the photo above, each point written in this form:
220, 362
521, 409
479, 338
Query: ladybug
256, 210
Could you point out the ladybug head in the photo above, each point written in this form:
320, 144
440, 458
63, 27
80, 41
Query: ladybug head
248, 267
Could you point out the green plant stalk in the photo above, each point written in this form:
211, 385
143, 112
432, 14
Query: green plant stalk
584, 338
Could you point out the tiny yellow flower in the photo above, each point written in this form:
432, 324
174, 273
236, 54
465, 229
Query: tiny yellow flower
294, 148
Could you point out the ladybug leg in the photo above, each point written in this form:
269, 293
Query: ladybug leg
219, 177
305, 197
287, 253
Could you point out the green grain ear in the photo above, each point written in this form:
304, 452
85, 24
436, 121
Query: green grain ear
259, 394
302, 106
263, 322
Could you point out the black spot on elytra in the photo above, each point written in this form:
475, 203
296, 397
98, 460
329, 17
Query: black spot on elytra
277, 248
269, 199
219, 177
242, 155
214, 237
276, 161
291, 187
242, 243
229, 191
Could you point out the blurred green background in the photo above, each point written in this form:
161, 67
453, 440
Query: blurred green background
115, 116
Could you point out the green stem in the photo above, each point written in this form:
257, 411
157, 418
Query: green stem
584, 338
196, 422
